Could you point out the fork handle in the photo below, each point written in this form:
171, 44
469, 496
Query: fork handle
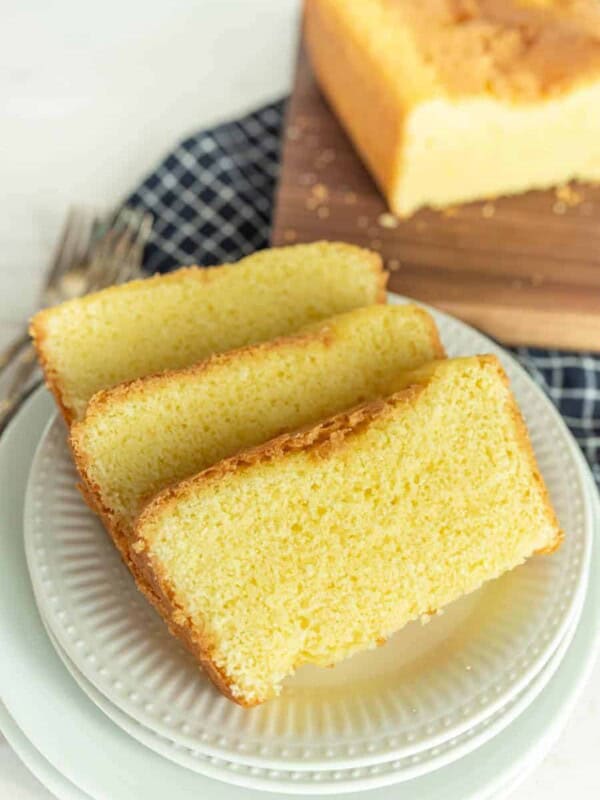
17, 389
7, 355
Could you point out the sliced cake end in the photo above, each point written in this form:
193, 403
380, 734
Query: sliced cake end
321, 543
138, 438
174, 320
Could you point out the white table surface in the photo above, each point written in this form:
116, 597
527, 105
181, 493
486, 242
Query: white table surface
91, 96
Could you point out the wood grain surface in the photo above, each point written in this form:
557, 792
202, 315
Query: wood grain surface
525, 269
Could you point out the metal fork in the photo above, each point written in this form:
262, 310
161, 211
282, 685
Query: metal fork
94, 252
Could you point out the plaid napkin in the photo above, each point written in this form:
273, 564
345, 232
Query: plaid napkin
212, 197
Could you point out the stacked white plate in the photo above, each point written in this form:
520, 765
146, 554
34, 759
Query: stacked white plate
433, 695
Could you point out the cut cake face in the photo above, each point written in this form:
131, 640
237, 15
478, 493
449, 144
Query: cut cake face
138, 438
175, 320
322, 543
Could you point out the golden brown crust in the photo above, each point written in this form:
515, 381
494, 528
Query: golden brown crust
349, 76
436, 342
37, 331
147, 584
149, 587
382, 279
553, 546
518, 51
38, 323
527, 448
156, 589
92, 495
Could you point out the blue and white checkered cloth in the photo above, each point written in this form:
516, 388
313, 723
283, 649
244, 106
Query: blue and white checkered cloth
212, 198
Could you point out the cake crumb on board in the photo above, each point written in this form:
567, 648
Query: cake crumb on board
388, 220
568, 195
320, 191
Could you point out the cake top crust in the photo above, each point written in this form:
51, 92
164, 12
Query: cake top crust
514, 50
508, 48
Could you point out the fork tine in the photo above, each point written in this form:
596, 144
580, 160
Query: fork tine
113, 254
85, 231
94, 251
71, 244
139, 244
130, 266
114, 250
116, 255
111, 227
63, 254
95, 235
97, 272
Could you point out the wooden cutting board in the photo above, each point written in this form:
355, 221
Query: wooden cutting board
524, 269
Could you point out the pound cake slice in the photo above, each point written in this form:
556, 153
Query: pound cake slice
175, 320
322, 543
450, 101
140, 437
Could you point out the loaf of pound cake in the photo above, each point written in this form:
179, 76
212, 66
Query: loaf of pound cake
322, 543
175, 320
138, 438
449, 101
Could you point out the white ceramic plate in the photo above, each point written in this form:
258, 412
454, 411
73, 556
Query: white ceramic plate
328, 781
425, 687
63, 789
48, 776
78, 740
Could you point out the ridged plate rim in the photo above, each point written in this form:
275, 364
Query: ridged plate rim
332, 781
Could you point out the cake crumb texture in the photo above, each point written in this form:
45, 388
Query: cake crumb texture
140, 437
175, 320
322, 543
